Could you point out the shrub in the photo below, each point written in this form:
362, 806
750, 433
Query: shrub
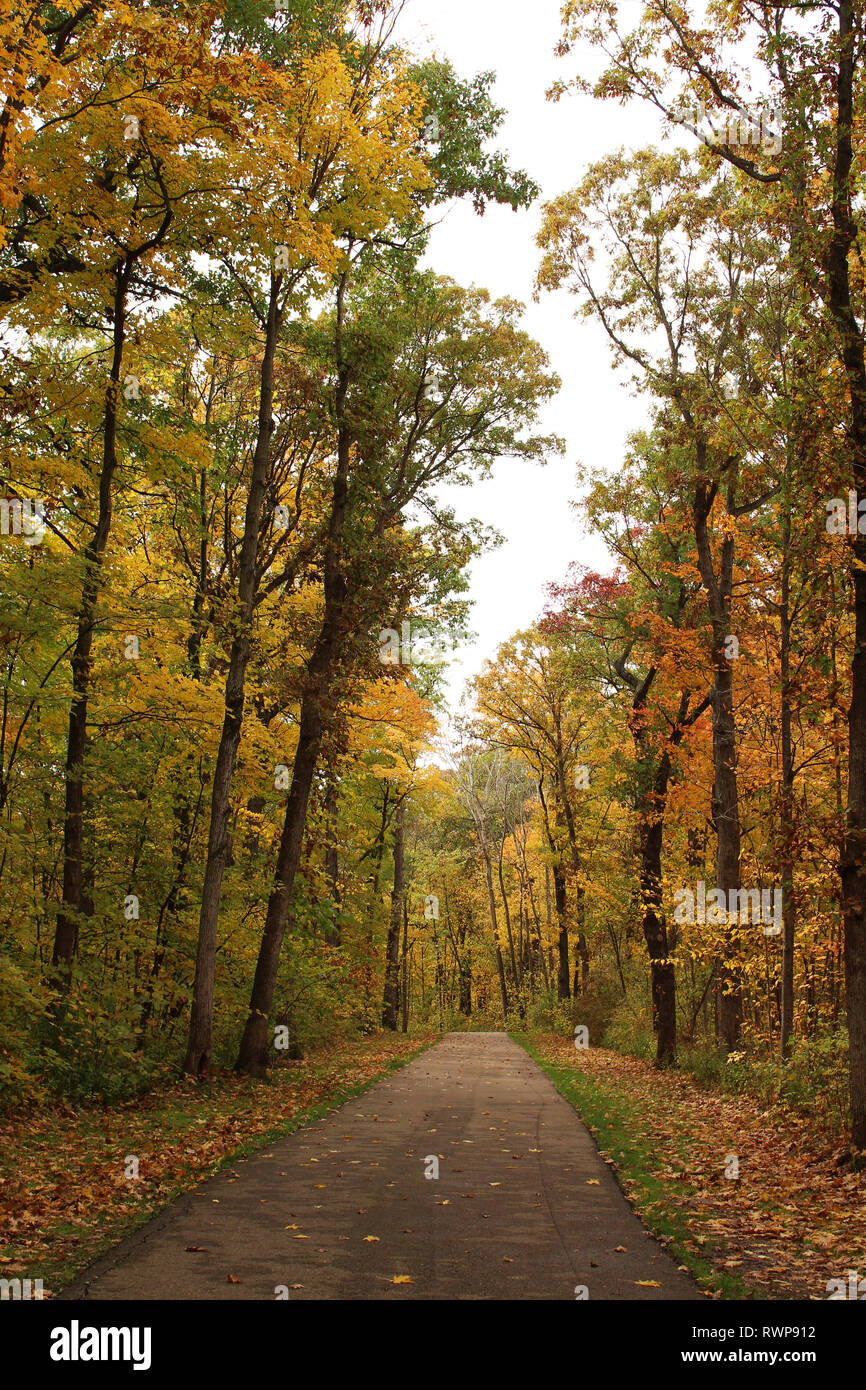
23, 1004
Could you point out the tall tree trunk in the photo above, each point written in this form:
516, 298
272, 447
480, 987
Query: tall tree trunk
72, 905
563, 981
315, 712
465, 971
580, 894
391, 994
253, 1053
728, 844
787, 807
491, 903
663, 978
726, 799
582, 946
535, 917
200, 1039
378, 851
196, 635
651, 818
508, 932
405, 989
850, 342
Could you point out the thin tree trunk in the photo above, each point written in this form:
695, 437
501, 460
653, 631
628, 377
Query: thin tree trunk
253, 1053
563, 981
391, 995
72, 904
559, 896
508, 932
405, 990
663, 978
787, 808
726, 800
580, 896
465, 972
491, 902
850, 340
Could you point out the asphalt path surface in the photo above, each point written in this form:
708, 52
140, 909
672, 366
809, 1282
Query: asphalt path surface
350, 1207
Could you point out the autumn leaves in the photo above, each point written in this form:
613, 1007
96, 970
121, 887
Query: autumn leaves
217, 386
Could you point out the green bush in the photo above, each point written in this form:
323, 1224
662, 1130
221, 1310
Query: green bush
813, 1083
23, 1004
628, 1027
816, 1079
603, 1004
93, 1051
549, 1015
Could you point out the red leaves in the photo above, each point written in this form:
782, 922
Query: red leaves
583, 598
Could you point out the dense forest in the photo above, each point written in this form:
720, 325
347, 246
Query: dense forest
238, 819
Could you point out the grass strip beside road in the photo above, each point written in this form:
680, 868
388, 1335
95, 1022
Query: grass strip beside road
788, 1216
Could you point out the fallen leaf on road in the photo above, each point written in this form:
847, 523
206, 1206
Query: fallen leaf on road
401, 1279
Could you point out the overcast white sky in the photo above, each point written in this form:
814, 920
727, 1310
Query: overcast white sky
554, 142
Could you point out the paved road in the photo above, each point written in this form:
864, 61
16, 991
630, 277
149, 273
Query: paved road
523, 1207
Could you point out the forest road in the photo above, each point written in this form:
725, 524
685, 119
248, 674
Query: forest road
523, 1206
